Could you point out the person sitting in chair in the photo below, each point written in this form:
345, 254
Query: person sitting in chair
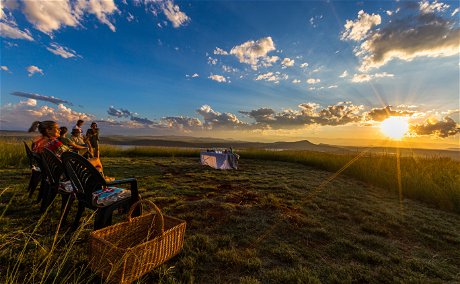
66, 141
50, 133
78, 140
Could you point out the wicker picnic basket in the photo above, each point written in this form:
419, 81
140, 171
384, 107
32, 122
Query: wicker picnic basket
123, 252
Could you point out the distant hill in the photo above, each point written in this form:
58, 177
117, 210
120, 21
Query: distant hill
190, 142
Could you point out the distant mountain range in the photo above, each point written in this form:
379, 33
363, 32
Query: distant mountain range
190, 142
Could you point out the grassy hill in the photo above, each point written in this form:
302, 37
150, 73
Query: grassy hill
267, 222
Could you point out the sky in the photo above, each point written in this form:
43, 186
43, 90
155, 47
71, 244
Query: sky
327, 71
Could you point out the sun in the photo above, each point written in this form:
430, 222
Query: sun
395, 127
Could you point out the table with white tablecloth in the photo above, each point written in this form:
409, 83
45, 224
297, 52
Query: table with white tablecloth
219, 160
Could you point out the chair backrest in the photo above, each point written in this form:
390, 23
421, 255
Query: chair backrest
29, 154
85, 178
54, 168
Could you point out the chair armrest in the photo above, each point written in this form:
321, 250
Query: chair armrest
131, 181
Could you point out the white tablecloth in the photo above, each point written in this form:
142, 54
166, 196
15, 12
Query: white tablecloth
216, 160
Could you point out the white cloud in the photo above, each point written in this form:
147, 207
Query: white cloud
344, 74
212, 61
49, 16
10, 30
303, 65
255, 52
359, 78
287, 62
62, 50
20, 115
214, 119
313, 20
313, 81
296, 81
229, 69
272, 77
130, 17
426, 7
4, 68
195, 75
101, 8
34, 69
174, 14
309, 113
316, 70
417, 32
358, 29
333, 87
454, 12
220, 51
218, 78
389, 13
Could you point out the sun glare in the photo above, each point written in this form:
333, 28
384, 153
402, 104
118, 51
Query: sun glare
394, 127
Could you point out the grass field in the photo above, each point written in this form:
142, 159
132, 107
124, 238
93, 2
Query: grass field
267, 222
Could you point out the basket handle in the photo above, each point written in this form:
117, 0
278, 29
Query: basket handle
151, 205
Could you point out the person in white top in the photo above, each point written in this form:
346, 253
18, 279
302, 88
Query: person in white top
78, 128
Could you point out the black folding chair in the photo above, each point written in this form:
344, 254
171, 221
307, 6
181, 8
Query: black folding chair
86, 180
34, 163
56, 178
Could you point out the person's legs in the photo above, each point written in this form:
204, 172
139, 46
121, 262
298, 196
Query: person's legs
96, 163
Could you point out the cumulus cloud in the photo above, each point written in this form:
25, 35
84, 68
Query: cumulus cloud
380, 114
212, 61
272, 77
313, 81
303, 65
287, 62
296, 81
62, 51
255, 53
358, 29
308, 114
214, 119
360, 78
124, 113
446, 127
5, 68
181, 123
22, 114
174, 14
427, 8
218, 78
38, 97
32, 69
112, 111
417, 32
220, 51
142, 120
48, 16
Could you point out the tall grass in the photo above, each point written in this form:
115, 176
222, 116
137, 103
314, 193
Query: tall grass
434, 181
12, 153
431, 180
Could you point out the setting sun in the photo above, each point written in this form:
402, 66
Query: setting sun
394, 127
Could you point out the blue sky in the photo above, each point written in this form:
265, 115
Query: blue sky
252, 70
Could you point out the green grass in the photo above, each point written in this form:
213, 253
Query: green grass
266, 222
431, 180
